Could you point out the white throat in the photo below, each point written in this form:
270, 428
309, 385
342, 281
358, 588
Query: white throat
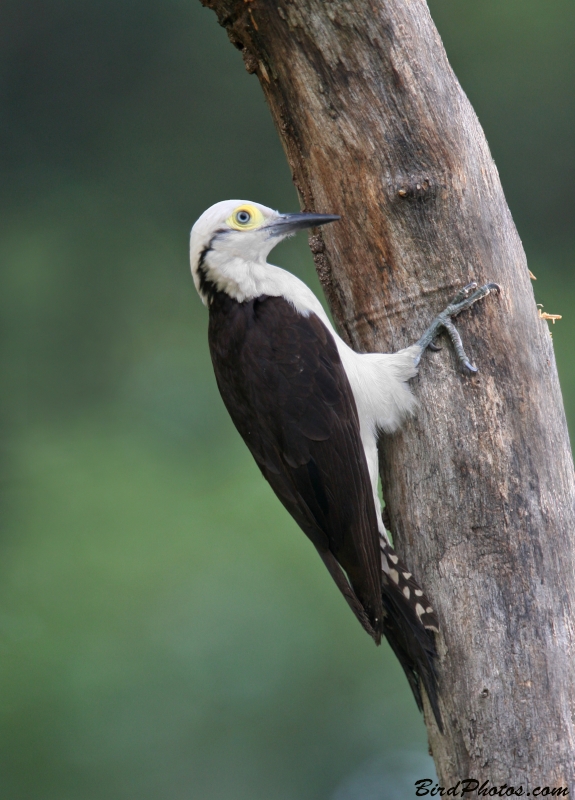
240, 279
245, 280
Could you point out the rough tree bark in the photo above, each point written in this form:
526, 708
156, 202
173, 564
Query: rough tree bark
480, 487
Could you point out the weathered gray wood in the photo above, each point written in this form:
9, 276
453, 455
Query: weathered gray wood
480, 486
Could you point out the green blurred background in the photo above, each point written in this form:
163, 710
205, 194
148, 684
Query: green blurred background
166, 632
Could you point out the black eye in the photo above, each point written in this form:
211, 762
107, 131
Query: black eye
243, 217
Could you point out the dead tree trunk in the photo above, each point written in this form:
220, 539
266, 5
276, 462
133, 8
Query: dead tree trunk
480, 487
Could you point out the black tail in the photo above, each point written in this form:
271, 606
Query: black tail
409, 626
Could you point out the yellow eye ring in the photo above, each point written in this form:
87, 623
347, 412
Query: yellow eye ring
245, 218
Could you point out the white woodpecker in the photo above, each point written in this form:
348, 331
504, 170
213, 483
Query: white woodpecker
310, 410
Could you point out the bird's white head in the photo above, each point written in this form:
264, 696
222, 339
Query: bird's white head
231, 241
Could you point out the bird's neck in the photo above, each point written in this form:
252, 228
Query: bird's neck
238, 277
244, 280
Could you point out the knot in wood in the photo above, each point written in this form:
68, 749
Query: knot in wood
415, 188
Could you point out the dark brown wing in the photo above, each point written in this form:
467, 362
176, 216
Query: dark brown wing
283, 383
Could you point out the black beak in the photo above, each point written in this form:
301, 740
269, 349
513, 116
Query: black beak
290, 223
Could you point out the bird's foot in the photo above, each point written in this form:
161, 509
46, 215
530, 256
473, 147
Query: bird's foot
464, 299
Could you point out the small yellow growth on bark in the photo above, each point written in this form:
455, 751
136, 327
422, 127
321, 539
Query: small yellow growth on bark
551, 317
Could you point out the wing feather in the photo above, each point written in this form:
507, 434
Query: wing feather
283, 383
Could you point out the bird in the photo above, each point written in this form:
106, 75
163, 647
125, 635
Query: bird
310, 410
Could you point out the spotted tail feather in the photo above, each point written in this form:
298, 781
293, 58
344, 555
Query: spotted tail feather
409, 626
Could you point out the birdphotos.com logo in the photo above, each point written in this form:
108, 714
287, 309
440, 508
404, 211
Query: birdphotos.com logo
425, 787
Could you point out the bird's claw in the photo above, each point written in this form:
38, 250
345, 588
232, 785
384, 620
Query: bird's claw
463, 294
463, 300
